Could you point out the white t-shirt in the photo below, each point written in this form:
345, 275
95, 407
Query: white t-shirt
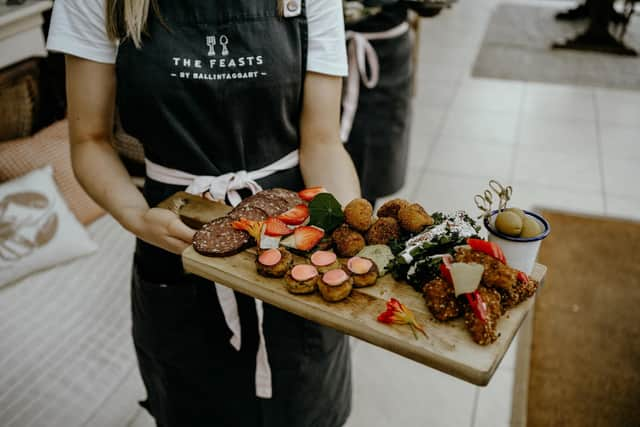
78, 28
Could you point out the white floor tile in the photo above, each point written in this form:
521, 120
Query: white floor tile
621, 177
623, 207
395, 391
470, 158
557, 135
481, 125
509, 359
143, 419
569, 171
527, 195
489, 95
434, 93
427, 119
495, 400
620, 141
444, 192
559, 101
620, 107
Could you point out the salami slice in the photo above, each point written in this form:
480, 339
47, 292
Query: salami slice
248, 212
218, 238
291, 197
272, 205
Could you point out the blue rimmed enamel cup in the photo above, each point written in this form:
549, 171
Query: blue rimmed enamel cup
521, 253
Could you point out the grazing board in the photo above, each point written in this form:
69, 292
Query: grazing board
448, 347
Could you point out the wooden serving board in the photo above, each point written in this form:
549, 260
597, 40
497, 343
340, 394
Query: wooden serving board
448, 348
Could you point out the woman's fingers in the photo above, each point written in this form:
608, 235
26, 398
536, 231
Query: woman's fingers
180, 230
176, 246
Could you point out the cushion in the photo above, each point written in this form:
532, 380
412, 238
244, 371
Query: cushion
37, 229
49, 146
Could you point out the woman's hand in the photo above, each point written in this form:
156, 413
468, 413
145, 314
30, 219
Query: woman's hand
159, 227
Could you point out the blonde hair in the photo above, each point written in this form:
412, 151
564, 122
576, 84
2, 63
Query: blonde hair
128, 18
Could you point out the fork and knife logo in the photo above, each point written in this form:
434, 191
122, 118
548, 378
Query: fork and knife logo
223, 40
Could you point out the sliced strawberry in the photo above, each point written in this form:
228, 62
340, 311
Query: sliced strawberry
251, 227
309, 193
489, 248
275, 227
306, 237
295, 216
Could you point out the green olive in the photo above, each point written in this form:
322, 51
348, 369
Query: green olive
530, 228
509, 223
518, 211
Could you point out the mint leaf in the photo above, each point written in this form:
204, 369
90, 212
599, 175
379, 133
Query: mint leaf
325, 212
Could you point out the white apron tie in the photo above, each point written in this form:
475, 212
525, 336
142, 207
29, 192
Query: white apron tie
221, 187
362, 55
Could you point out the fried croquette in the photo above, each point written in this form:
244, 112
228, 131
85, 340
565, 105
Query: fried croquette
358, 214
391, 208
414, 218
347, 241
383, 231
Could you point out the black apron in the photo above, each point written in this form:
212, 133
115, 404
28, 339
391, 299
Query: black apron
379, 139
215, 89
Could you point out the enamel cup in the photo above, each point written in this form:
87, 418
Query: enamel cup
521, 253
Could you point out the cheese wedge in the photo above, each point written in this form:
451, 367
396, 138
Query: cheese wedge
466, 277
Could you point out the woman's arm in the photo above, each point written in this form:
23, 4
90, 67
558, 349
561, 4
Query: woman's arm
323, 159
91, 90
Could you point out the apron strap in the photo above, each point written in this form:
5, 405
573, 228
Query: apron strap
221, 187
362, 56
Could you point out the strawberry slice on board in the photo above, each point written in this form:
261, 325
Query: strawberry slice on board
274, 227
489, 248
306, 237
309, 193
295, 216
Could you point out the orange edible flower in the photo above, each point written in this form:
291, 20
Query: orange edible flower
254, 228
399, 314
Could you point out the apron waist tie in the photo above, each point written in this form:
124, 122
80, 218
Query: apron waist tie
221, 187
362, 55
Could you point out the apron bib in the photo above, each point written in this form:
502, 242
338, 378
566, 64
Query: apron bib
215, 89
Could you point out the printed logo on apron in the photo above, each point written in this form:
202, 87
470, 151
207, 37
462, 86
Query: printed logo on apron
218, 64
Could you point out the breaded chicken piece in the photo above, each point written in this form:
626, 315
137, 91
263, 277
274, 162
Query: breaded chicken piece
518, 293
383, 231
358, 214
391, 208
481, 332
496, 274
441, 299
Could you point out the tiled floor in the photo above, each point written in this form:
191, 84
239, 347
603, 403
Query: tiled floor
564, 147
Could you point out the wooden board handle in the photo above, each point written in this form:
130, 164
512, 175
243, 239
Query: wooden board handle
194, 211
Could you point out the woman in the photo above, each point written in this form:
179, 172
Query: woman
376, 116
212, 88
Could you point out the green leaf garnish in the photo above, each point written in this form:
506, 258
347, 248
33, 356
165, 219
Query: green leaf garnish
325, 212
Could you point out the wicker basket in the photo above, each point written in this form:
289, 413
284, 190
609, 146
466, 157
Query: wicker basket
19, 96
